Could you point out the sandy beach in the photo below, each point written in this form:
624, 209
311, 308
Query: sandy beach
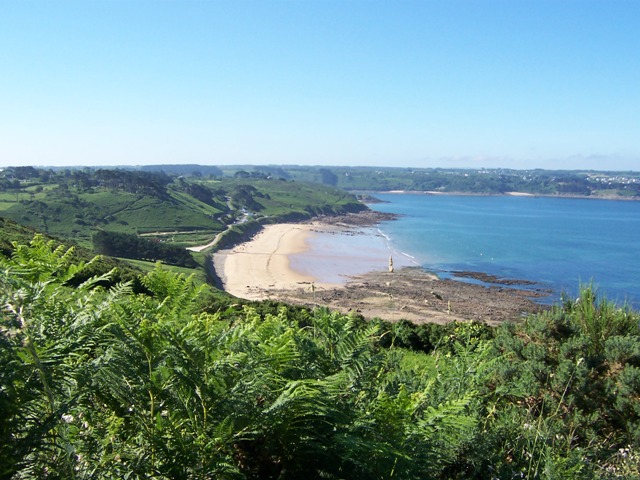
262, 269
255, 268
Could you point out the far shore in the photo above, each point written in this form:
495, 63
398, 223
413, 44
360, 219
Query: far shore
260, 269
505, 194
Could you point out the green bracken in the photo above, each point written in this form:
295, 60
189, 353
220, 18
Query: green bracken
98, 381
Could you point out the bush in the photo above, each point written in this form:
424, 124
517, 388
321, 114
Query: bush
131, 246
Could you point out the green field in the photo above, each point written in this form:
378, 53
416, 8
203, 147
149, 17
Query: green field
189, 211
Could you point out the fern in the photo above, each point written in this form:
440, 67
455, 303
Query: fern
105, 383
177, 292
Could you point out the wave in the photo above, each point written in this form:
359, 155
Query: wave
394, 251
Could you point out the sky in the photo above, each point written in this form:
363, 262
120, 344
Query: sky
454, 84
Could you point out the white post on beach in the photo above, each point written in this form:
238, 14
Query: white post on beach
390, 264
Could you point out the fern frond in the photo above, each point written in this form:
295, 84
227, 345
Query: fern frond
96, 279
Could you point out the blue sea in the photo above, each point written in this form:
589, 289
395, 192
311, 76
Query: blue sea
560, 243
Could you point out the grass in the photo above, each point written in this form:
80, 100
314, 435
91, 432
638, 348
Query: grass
78, 214
195, 204
4, 205
70, 211
75, 213
282, 197
186, 239
199, 275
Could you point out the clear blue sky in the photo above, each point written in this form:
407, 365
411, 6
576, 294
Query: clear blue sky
493, 83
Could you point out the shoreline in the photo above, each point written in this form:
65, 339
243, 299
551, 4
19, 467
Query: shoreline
261, 269
505, 194
263, 262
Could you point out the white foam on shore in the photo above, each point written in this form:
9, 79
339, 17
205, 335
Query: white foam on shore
334, 256
392, 249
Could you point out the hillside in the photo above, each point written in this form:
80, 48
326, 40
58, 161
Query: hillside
102, 382
75, 204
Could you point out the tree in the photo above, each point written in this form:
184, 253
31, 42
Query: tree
127, 245
328, 177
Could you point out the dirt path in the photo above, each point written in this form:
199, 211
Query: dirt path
199, 248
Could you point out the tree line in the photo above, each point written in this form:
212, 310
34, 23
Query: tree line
117, 244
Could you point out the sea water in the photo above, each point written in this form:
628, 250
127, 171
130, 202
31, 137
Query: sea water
560, 243
335, 255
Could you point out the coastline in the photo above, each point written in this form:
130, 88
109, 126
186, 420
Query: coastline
504, 194
281, 263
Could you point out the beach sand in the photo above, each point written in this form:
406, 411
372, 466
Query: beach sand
262, 265
262, 269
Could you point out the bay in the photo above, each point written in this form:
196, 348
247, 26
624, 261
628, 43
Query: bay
335, 255
560, 243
